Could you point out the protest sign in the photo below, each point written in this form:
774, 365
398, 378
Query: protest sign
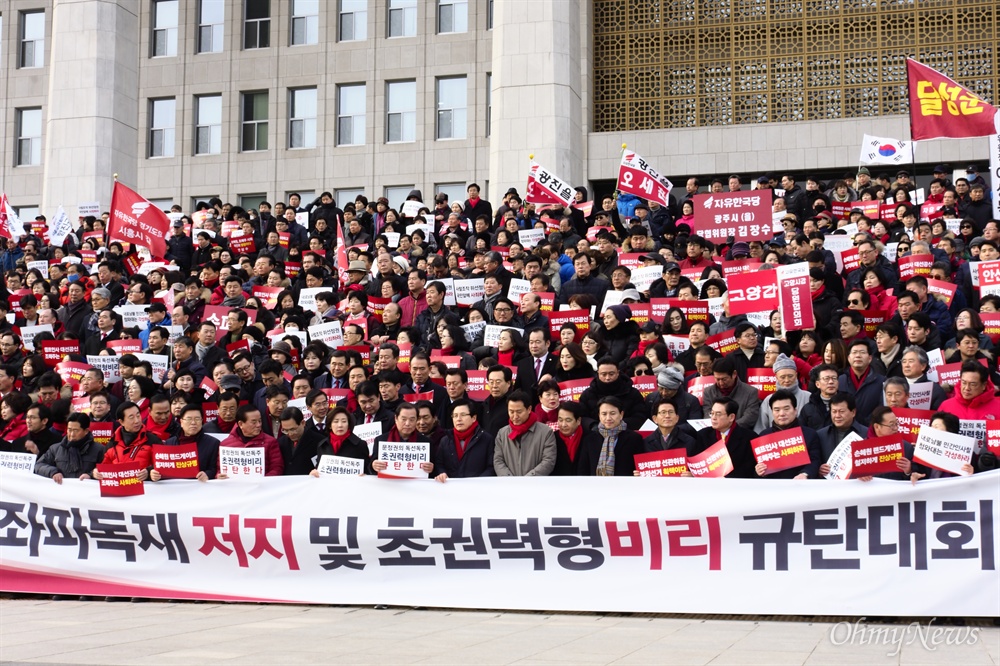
403, 459
28, 334
696, 386
644, 384
753, 292
672, 462
18, 463
242, 464
473, 330
53, 351
763, 380
467, 292
176, 462
920, 395
268, 296
724, 342
785, 449
913, 265
712, 462
121, 480
943, 291
368, 432
943, 450
636, 176
911, 420
573, 389
746, 216
579, 318
794, 297
331, 333
878, 455
340, 466
840, 460
491, 337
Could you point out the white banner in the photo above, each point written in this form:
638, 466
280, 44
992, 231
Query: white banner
331, 333
160, 363
732, 546
995, 173
18, 463
242, 464
468, 292
340, 466
59, 228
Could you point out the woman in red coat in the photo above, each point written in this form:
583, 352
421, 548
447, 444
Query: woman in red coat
12, 410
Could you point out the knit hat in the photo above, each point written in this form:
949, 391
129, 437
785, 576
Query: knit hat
670, 378
102, 292
621, 312
402, 263
783, 363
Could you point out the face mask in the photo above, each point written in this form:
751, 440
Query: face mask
289, 329
73, 277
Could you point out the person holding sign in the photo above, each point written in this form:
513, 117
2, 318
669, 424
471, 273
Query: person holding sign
75, 456
340, 440
249, 434
192, 421
783, 404
403, 430
466, 450
843, 409
945, 422
667, 435
131, 443
725, 428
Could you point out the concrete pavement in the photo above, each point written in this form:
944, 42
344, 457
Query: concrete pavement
73, 632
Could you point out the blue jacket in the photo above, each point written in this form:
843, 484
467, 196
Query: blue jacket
939, 314
9, 258
144, 333
626, 205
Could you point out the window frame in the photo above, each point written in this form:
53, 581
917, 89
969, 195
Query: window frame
311, 22
169, 134
246, 97
407, 114
342, 116
355, 23
408, 16
453, 4
306, 121
439, 110
34, 142
37, 44
212, 27
260, 26
168, 31
199, 125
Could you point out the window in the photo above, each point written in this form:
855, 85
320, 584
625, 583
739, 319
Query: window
27, 213
29, 137
302, 115
254, 122
161, 127
351, 115
162, 204
489, 104
208, 125
401, 118
397, 195
211, 17
402, 18
347, 195
455, 191
353, 20
165, 28
305, 22
250, 202
451, 95
453, 16
489, 15
32, 39
256, 24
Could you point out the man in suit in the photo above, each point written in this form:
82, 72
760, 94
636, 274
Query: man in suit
540, 362
843, 409
722, 413
420, 372
370, 409
109, 328
297, 442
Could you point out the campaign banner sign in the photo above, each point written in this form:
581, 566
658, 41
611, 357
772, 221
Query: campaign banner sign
696, 386
991, 320
873, 319
911, 420
579, 318
53, 351
72, 371
268, 296
28, 334
752, 292
544, 187
785, 449
640, 313
129, 346
340, 466
745, 216
102, 432
672, 462
840, 460
476, 386
242, 464
763, 380
949, 373
403, 459
693, 310
993, 435
637, 177
644, 384
573, 389
176, 462
121, 480
913, 265
841, 209
723, 343
850, 260
943, 291
794, 297
739, 267
676, 344
307, 531
376, 306
491, 337
18, 463
714, 462
943, 450
467, 292
877, 455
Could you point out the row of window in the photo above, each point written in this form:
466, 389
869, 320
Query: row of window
352, 15
400, 120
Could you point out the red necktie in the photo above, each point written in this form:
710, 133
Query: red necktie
538, 368
368, 418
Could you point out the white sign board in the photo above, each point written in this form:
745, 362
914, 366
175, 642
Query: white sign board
242, 464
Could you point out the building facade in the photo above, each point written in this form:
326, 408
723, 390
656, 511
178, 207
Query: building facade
254, 99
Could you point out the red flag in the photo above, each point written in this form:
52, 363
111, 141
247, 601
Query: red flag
637, 177
4, 231
545, 188
137, 221
341, 254
941, 108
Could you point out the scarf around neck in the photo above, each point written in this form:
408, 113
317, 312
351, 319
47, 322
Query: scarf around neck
337, 441
518, 430
573, 442
606, 462
462, 438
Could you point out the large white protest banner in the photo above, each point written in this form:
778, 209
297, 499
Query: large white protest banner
544, 544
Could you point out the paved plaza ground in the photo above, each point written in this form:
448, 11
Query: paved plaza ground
37, 630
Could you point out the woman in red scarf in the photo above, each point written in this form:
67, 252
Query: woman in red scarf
547, 409
510, 348
466, 450
874, 284
340, 440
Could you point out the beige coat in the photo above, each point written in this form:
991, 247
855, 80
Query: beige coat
534, 454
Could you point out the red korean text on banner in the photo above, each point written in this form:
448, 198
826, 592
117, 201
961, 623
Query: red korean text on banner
579, 318
696, 386
267, 295
176, 462
877, 455
713, 462
914, 264
54, 351
763, 380
544, 187
637, 177
573, 389
746, 216
724, 342
993, 436
121, 480
910, 420
644, 384
135, 220
941, 108
795, 298
943, 291
672, 462
873, 319
740, 267
752, 292
785, 449
850, 259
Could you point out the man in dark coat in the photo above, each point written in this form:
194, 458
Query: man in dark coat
609, 382
861, 380
466, 450
75, 456
722, 412
298, 444
783, 406
843, 409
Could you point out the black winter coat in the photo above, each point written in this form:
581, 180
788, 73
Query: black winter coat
60, 460
476, 461
629, 443
622, 341
636, 409
208, 453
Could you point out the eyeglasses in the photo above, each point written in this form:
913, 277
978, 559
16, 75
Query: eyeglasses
503, 309
854, 301
642, 372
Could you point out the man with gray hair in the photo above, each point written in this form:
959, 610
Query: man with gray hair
786, 376
896, 392
914, 365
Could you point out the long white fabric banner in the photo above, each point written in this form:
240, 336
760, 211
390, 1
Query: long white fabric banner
639, 544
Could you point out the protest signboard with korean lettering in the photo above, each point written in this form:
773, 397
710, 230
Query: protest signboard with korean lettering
878, 455
176, 462
121, 480
745, 216
712, 462
242, 464
672, 462
785, 449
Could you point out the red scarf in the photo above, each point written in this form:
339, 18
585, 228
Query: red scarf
446, 351
506, 358
573, 442
463, 436
337, 441
518, 430
819, 292
394, 436
858, 380
474, 201
184, 439
225, 426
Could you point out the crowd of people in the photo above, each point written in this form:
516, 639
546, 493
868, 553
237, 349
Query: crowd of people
259, 379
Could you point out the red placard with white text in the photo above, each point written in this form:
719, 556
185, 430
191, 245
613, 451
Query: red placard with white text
752, 292
579, 318
993, 436
129, 346
714, 461
53, 351
644, 384
176, 462
121, 480
573, 389
877, 455
267, 295
636, 176
696, 386
724, 342
746, 216
763, 380
672, 462
914, 264
785, 449
944, 291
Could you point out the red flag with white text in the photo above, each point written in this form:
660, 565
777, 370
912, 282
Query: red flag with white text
636, 176
941, 108
136, 221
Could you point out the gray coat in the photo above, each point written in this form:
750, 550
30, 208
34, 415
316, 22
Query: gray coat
745, 396
766, 418
534, 454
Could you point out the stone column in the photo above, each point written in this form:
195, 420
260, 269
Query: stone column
92, 118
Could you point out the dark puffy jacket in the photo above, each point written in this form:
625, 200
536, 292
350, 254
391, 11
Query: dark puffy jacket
636, 410
181, 250
60, 460
622, 340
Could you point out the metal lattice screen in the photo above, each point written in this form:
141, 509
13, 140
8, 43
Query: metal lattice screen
685, 63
